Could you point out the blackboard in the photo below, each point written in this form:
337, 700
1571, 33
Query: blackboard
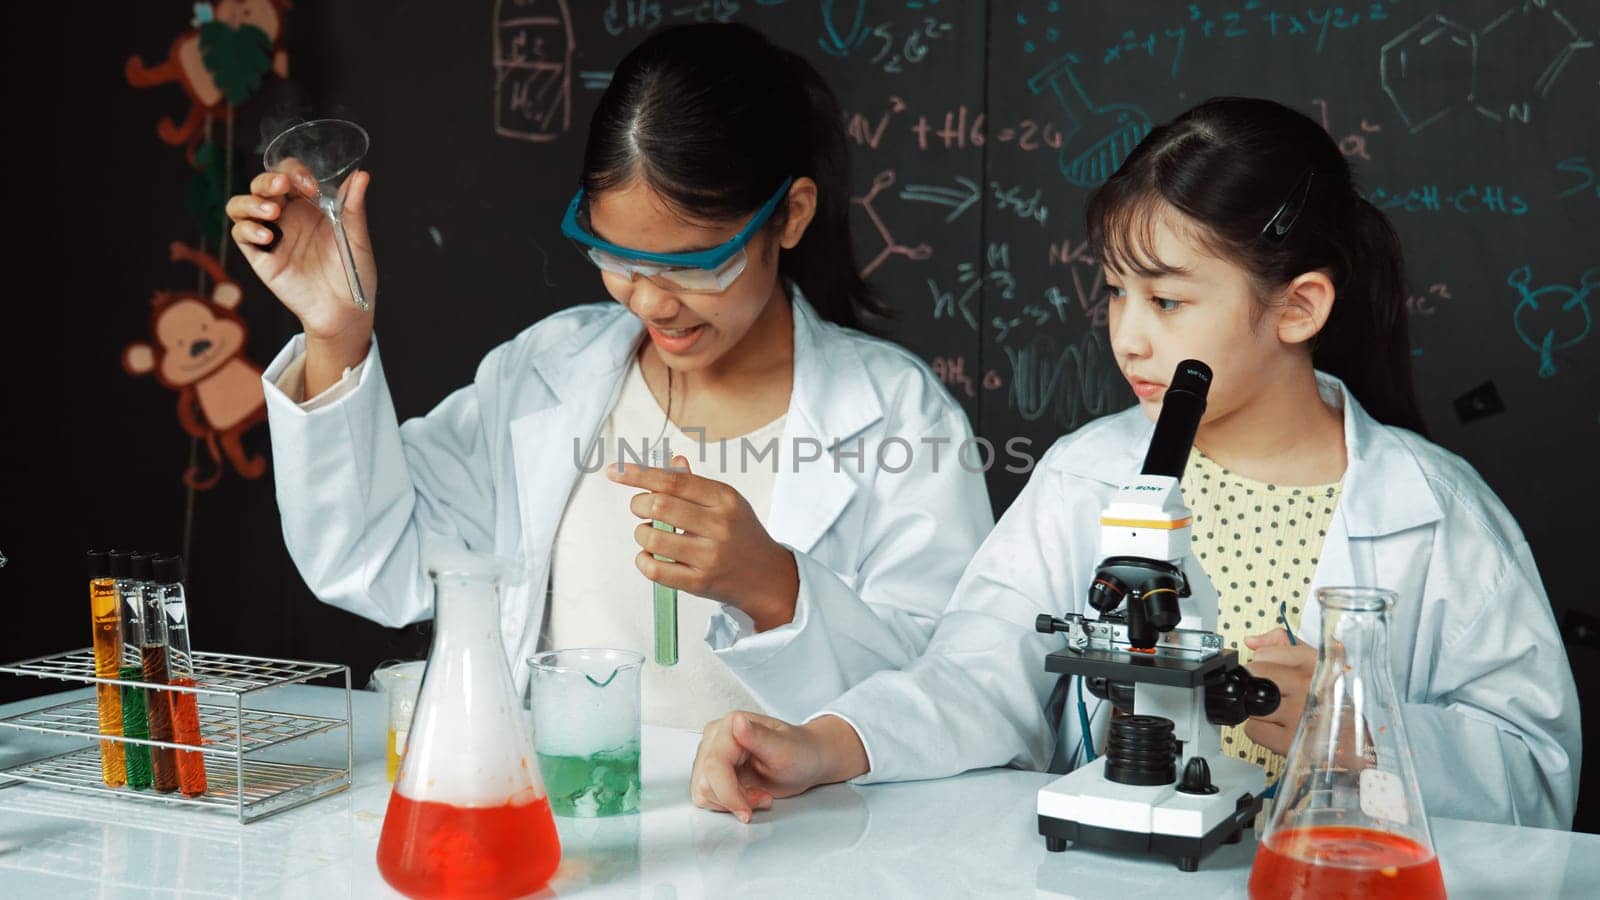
977, 131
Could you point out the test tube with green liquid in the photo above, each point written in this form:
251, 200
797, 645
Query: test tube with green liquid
665, 598
130, 596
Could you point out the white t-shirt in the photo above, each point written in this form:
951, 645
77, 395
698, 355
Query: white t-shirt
598, 596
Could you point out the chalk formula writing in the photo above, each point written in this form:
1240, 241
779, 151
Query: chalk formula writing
1488, 199
952, 372
965, 194
1253, 20
1353, 144
1581, 175
887, 46
962, 129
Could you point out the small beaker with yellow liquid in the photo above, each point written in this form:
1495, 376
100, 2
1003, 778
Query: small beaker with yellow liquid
398, 682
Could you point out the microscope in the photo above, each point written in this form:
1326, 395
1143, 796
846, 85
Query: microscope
1163, 784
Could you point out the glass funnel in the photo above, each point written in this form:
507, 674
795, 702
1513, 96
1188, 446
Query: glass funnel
468, 816
1348, 819
329, 150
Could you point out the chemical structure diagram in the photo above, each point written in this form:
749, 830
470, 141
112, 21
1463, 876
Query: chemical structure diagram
881, 183
1554, 317
1434, 67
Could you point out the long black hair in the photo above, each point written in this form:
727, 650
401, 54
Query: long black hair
714, 117
1271, 192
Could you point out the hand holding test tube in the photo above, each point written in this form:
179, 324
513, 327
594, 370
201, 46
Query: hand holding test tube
711, 544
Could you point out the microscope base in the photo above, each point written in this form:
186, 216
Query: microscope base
1085, 809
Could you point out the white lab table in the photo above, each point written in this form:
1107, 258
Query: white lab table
974, 835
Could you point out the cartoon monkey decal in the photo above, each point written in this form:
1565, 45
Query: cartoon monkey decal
222, 60
198, 350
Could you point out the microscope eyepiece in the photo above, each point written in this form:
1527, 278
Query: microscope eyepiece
1191, 377
1181, 409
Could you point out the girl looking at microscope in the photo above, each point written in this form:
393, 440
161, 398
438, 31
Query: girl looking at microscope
1233, 235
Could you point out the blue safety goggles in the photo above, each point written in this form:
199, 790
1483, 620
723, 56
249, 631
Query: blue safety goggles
699, 272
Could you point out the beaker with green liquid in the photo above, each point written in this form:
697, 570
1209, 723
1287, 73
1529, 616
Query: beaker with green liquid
585, 716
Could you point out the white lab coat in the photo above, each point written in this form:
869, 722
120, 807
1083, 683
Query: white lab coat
365, 499
1488, 697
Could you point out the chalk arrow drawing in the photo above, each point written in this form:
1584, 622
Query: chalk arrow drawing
958, 199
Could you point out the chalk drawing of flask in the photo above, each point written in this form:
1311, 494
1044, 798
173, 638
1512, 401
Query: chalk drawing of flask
1554, 317
1094, 139
533, 47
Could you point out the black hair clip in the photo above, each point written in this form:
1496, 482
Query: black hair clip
1283, 221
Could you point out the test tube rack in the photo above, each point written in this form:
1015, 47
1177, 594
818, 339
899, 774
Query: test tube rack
234, 733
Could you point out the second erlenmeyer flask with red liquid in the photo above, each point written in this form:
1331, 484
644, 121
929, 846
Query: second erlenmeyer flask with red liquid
468, 816
1348, 819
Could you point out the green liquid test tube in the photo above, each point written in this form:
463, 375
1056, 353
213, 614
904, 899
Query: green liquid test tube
665, 598
137, 756
666, 614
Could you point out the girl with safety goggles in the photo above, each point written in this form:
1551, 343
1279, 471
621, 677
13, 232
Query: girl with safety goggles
714, 201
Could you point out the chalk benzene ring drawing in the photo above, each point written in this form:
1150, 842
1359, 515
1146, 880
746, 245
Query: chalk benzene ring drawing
1412, 84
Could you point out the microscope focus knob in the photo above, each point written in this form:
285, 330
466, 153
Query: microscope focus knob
1237, 696
1262, 698
1196, 777
1141, 750
1048, 624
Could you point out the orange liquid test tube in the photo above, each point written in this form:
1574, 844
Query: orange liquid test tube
107, 660
186, 730
180, 665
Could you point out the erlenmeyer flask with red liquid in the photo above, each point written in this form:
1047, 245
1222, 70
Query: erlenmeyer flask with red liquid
1348, 818
468, 816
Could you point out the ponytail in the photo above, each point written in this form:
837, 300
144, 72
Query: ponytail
1366, 342
823, 264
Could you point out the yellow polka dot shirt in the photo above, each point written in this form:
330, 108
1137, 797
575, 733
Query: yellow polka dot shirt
1259, 543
